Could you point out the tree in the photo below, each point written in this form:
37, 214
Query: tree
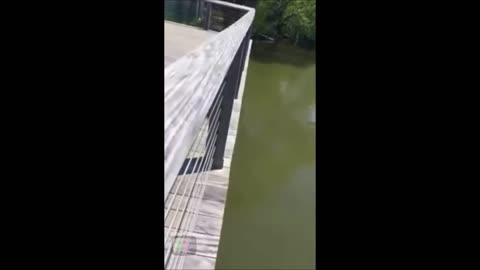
298, 20
293, 19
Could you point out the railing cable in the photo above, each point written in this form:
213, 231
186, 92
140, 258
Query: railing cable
173, 196
190, 224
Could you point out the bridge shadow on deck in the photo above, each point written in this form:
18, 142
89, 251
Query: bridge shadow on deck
193, 165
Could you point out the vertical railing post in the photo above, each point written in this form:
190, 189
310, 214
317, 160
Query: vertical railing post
244, 49
231, 81
242, 52
207, 18
197, 9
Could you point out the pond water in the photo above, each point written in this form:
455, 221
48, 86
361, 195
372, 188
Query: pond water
180, 11
269, 220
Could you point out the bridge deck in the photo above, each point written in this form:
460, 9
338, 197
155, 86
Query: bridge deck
181, 38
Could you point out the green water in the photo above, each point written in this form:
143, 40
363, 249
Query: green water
180, 11
269, 220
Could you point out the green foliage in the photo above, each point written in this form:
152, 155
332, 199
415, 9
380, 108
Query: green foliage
293, 19
263, 24
299, 19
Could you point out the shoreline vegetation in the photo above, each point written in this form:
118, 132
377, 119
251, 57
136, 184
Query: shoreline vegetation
292, 20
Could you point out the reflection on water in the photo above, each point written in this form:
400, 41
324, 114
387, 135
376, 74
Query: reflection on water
312, 114
269, 218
